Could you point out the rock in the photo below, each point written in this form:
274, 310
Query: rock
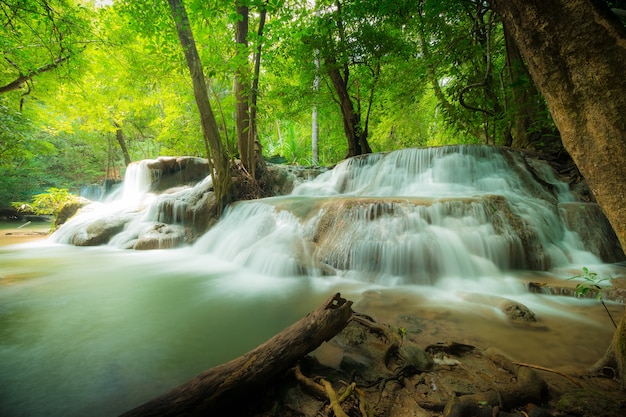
595, 231
160, 236
588, 403
100, 231
70, 208
173, 171
416, 358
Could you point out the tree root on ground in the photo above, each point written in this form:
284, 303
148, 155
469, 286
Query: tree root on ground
324, 391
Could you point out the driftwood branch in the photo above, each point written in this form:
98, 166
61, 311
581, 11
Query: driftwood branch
217, 387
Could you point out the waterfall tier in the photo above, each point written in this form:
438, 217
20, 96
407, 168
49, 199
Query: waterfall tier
409, 216
415, 216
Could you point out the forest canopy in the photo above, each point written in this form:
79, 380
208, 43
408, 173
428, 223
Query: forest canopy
88, 86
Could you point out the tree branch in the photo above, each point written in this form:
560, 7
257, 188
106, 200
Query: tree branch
23, 78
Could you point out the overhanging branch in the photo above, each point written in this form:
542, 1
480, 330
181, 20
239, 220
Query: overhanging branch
23, 78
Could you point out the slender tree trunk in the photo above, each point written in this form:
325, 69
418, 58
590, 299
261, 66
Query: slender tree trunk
356, 136
254, 94
120, 140
315, 150
242, 90
528, 103
576, 54
314, 122
218, 160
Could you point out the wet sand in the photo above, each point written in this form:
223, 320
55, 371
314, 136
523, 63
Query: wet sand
14, 235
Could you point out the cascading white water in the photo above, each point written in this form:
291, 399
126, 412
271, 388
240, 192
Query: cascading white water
135, 211
410, 216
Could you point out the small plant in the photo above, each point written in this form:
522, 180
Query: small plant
402, 333
592, 283
48, 203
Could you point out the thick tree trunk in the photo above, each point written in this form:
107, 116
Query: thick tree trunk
615, 357
576, 54
218, 160
213, 390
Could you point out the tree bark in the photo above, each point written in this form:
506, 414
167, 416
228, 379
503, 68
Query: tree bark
615, 356
356, 136
218, 160
254, 93
576, 54
242, 90
216, 388
119, 135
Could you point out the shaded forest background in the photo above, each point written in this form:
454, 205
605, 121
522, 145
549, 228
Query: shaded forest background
86, 87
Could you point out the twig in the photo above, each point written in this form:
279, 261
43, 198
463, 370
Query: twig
541, 368
334, 401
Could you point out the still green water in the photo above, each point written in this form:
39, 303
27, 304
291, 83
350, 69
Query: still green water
97, 331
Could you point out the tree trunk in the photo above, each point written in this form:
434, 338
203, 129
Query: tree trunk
356, 136
576, 54
242, 88
215, 389
254, 146
615, 356
529, 123
218, 160
120, 140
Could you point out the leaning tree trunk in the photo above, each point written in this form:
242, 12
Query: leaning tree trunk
119, 135
576, 54
356, 136
218, 160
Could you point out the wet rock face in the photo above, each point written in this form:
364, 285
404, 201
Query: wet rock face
160, 236
170, 171
588, 220
69, 209
284, 178
100, 231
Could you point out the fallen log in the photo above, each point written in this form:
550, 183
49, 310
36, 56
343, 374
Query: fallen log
216, 388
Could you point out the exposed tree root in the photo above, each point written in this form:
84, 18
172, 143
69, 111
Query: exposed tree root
541, 368
325, 391
614, 360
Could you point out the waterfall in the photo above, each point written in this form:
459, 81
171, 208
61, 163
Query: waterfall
414, 216
136, 216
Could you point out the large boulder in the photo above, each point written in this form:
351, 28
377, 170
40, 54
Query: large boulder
100, 231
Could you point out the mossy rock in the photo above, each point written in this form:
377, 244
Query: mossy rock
588, 403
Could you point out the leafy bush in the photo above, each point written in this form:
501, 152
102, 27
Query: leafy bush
48, 203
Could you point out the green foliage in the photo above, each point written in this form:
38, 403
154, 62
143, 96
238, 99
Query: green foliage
591, 283
48, 203
41, 33
127, 72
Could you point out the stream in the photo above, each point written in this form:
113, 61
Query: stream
99, 330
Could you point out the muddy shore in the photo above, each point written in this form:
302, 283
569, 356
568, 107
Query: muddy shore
14, 235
